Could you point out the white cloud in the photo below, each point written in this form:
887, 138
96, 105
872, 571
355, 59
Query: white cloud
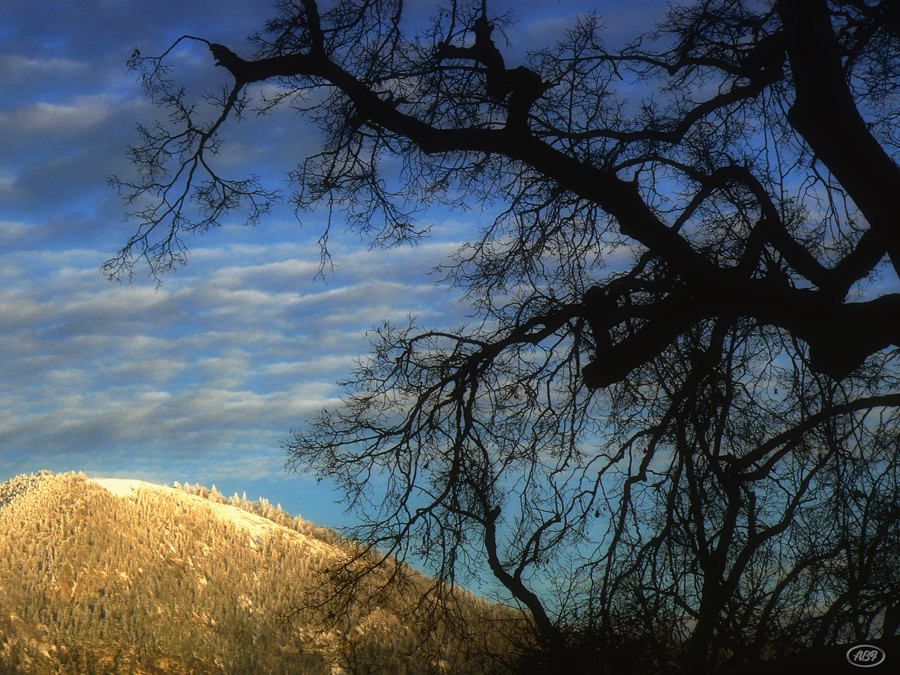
70, 118
225, 358
10, 231
7, 189
18, 67
313, 366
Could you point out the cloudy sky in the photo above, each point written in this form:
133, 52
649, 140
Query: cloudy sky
199, 379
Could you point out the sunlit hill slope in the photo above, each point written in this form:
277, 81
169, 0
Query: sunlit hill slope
110, 576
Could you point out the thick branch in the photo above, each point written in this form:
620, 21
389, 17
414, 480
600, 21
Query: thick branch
616, 196
515, 586
840, 336
825, 114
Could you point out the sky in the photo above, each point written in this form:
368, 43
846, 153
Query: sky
198, 379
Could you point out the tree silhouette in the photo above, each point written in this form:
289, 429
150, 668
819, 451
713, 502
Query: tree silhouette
675, 422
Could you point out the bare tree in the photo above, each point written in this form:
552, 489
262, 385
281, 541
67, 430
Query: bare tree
696, 447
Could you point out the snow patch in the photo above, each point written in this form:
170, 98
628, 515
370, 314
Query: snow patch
122, 487
258, 527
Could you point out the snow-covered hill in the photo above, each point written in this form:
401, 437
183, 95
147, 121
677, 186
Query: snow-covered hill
116, 575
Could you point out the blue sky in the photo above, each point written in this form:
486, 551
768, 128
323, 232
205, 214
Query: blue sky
197, 380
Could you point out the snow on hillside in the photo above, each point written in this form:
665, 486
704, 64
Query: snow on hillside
258, 527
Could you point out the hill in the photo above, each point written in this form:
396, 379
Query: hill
122, 576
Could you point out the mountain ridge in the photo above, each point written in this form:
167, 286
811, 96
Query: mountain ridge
256, 525
119, 575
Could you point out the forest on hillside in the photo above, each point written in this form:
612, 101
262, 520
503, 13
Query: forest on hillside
160, 582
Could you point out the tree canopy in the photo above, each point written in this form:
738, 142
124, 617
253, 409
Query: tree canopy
674, 418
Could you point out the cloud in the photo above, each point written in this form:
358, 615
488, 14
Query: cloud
16, 68
225, 357
70, 118
7, 190
201, 378
10, 231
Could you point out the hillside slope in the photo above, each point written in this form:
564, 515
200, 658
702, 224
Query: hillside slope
110, 576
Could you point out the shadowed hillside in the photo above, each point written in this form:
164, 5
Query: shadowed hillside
110, 576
